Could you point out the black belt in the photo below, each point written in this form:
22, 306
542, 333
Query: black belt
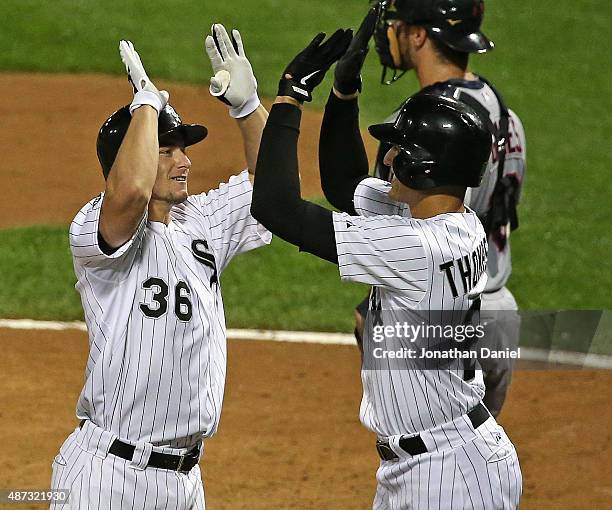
414, 445
182, 463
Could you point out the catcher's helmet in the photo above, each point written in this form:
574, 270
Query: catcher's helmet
171, 130
442, 142
454, 23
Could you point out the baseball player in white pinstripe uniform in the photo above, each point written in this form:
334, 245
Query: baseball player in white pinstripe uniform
435, 38
147, 256
439, 445
432, 455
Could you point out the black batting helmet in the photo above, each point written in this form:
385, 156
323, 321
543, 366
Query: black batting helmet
442, 142
171, 130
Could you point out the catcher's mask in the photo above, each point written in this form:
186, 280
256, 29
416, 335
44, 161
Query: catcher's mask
454, 23
442, 142
170, 129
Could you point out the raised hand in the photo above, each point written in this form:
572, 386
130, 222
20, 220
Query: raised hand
308, 68
144, 90
347, 76
233, 82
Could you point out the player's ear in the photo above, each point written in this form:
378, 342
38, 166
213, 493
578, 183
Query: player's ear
418, 36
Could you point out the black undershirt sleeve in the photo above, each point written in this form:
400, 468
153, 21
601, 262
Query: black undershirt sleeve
343, 161
106, 248
277, 203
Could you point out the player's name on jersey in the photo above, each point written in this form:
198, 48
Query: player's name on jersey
454, 353
470, 268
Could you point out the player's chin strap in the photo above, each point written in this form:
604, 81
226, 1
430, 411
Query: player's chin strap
505, 194
396, 76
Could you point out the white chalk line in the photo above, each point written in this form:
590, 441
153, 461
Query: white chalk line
310, 337
236, 334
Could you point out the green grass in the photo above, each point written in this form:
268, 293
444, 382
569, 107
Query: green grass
280, 288
549, 63
547, 58
586, 331
274, 287
37, 275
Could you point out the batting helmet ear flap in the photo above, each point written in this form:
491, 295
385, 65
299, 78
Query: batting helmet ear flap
413, 163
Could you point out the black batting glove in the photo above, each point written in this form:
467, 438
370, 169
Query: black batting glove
308, 68
347, 78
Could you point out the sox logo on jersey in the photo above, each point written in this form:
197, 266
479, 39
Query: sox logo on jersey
155, 375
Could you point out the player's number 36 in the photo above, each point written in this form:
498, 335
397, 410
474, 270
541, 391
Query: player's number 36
159, 304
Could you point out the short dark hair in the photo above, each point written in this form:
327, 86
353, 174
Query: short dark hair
457, 58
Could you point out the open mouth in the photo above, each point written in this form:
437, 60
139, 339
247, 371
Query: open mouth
180, 178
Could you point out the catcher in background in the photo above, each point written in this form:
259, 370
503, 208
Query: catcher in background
435, 39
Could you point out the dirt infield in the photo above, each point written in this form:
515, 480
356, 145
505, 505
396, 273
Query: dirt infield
50, 124
289, 436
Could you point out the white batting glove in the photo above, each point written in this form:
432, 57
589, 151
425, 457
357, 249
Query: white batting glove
144, 90
234, 82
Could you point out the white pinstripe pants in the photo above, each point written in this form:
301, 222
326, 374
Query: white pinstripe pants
101, 481
481, 473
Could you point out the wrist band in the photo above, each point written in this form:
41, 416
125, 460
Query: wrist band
143, 97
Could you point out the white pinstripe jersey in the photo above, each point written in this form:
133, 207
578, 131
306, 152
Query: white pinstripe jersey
414, 266
154, 313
